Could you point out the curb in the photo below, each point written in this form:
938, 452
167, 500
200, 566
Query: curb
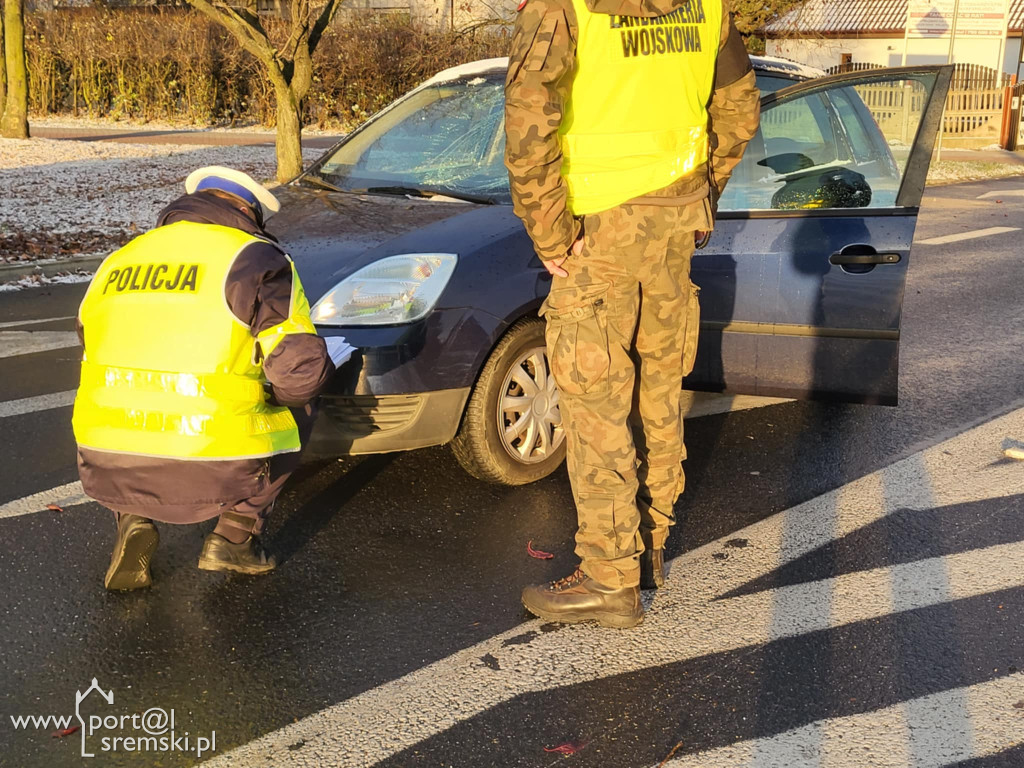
49, 267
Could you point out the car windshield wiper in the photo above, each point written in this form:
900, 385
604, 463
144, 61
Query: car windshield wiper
427, 193
320, 181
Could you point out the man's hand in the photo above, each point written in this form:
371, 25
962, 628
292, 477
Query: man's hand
555, 265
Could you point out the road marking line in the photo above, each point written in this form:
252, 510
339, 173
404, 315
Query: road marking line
63, 496
881, 738
700, 404
14, 343
690, 620
35, 322
697, 404
34, 404
973, 235
1004, 193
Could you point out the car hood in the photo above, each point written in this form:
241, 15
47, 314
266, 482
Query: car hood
330, 235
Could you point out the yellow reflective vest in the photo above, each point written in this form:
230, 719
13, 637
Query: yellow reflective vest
637, 115
168, 370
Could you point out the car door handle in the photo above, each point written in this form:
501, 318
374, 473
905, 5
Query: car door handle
861, 254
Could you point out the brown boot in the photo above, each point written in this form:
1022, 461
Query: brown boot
652, 569
580, 598
249, 557
136, 542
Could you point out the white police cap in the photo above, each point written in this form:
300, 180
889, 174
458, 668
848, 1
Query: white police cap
236, 183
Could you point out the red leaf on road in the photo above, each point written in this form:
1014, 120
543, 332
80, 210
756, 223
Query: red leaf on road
66, 732
566, 749
54, 508
536, 552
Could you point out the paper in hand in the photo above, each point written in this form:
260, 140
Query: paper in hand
339, 350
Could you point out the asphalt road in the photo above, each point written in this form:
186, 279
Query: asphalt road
874, 622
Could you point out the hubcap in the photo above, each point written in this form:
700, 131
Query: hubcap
528, 419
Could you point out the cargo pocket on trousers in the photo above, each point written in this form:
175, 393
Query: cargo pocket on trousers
692, 330
577, 339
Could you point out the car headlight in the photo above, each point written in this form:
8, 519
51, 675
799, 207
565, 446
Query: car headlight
394, 290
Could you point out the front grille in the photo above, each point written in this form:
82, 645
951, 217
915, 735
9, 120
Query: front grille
361, 415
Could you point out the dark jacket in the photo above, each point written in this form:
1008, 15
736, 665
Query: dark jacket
258, 292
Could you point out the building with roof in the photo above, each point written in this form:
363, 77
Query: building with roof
831, 33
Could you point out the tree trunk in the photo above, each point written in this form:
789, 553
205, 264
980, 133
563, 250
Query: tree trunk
288, 135
3, 65
14, 124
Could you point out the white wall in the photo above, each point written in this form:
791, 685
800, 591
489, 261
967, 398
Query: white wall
888, 52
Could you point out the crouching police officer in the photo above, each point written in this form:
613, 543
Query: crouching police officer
182, 328
624, 120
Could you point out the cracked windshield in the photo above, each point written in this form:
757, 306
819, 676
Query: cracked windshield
446, 139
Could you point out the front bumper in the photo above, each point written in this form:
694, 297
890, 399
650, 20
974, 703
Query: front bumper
406, 387
350, 425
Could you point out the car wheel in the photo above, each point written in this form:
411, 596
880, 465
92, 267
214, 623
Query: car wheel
511, 431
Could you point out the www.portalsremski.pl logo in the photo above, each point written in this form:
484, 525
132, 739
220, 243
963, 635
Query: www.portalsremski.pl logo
152, 731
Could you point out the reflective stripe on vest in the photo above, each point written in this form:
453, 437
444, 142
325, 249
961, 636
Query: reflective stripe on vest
637, 116
169, 371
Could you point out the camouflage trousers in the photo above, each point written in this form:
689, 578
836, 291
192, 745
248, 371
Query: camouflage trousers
621, 335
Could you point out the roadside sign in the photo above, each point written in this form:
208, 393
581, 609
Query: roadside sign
929, 19
965, 21
933, 19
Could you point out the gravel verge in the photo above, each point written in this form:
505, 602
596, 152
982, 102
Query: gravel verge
73, 198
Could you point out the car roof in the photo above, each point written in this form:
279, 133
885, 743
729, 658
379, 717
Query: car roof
763, 64
775, 65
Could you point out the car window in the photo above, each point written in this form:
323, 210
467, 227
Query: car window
447, 137
862, 142
799, 131
769, 83
837, 147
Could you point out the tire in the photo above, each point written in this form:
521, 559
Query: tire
480, 445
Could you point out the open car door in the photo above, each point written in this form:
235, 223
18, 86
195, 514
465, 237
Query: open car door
802, 283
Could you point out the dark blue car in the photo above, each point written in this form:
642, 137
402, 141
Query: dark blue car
405, 239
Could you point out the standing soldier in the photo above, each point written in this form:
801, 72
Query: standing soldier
624, 120
199, 367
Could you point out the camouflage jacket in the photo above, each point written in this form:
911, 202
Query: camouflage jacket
538, 84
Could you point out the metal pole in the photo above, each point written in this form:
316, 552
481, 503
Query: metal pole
1000, 67
952, 31
906, 34
1020, 53
949, 60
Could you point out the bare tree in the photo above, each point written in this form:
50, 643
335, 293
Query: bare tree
14, 123
289, 66
3, 64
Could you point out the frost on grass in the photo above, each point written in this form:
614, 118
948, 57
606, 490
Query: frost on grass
77, 198
35, 281
951, 171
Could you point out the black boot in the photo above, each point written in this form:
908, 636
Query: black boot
580, 598
652, 569
219, 554
136, 542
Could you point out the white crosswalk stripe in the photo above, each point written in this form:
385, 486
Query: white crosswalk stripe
14, 343
41, 321
63, 496
1001, 193
35, 404
921, 732
697, 405
690, 620
972, 235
